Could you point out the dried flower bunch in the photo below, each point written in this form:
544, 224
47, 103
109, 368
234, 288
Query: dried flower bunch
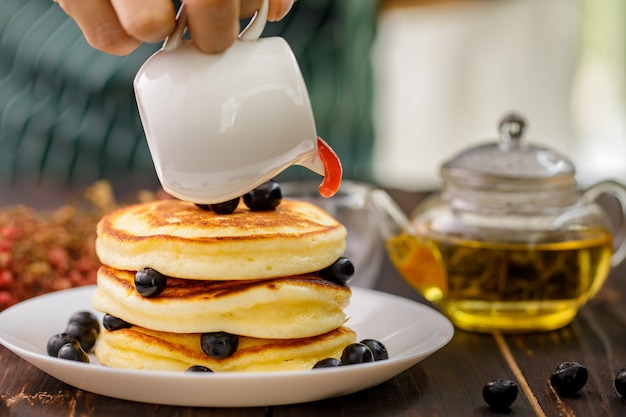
42, 252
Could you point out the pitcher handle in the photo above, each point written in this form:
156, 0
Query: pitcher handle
618, 191
250, 33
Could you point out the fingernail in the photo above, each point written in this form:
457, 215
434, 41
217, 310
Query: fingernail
285, 7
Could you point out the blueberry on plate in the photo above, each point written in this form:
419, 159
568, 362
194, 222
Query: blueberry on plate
378, 349
356, 353
58, 340
198, 368
327, 363
73, 352
85, 335
86, 318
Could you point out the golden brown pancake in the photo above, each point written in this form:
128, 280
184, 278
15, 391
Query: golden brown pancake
181, 240
275, 308
139, 348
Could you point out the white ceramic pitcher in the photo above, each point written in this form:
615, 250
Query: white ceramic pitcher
218, 125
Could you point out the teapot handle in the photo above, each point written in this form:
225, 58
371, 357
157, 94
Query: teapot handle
250, 33
618, 191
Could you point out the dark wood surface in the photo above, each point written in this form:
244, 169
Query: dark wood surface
449, 383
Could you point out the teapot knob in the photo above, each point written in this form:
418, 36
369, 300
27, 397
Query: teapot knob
512, 129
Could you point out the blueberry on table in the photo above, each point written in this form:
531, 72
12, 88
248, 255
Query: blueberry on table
149, 282
58, 340
569, 378
266, 196
356, 353
198, 368
73, 352
340, 272
219, 344
327, 363
378, 349
620, 382
112, 323
499, 394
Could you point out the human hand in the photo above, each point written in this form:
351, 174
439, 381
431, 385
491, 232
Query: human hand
119, 26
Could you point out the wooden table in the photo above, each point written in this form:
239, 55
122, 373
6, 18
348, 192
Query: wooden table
449, 383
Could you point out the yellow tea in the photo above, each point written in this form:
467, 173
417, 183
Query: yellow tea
506, 286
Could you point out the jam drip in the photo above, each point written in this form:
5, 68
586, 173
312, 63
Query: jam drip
332, 169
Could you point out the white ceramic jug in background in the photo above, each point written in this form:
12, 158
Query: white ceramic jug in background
218, 125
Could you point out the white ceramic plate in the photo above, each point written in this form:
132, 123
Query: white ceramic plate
409, 330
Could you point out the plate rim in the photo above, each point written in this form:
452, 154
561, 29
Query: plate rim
361, 373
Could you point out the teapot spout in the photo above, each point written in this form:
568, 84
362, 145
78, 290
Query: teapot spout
417, 261
391, 219
326, 163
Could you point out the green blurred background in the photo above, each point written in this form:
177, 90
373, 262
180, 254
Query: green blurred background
68, 114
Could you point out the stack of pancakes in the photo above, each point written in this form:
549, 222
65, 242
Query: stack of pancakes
249, 273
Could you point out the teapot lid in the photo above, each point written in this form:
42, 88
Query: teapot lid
510, 160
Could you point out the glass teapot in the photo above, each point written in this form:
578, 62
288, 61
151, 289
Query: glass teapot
510, 243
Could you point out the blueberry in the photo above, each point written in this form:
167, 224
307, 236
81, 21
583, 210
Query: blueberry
327, 363
378, 349
112, 323
500, 394
340, 272
58, 340
149, 282
85, 335
620, 382
356, 353
219, 344
73, 352
86, 318
266, 196
203, 206
569, 378
198, 368
226, 207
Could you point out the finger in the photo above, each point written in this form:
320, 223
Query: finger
278, 9
100, 26
213, 24
249, 7
146, 20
